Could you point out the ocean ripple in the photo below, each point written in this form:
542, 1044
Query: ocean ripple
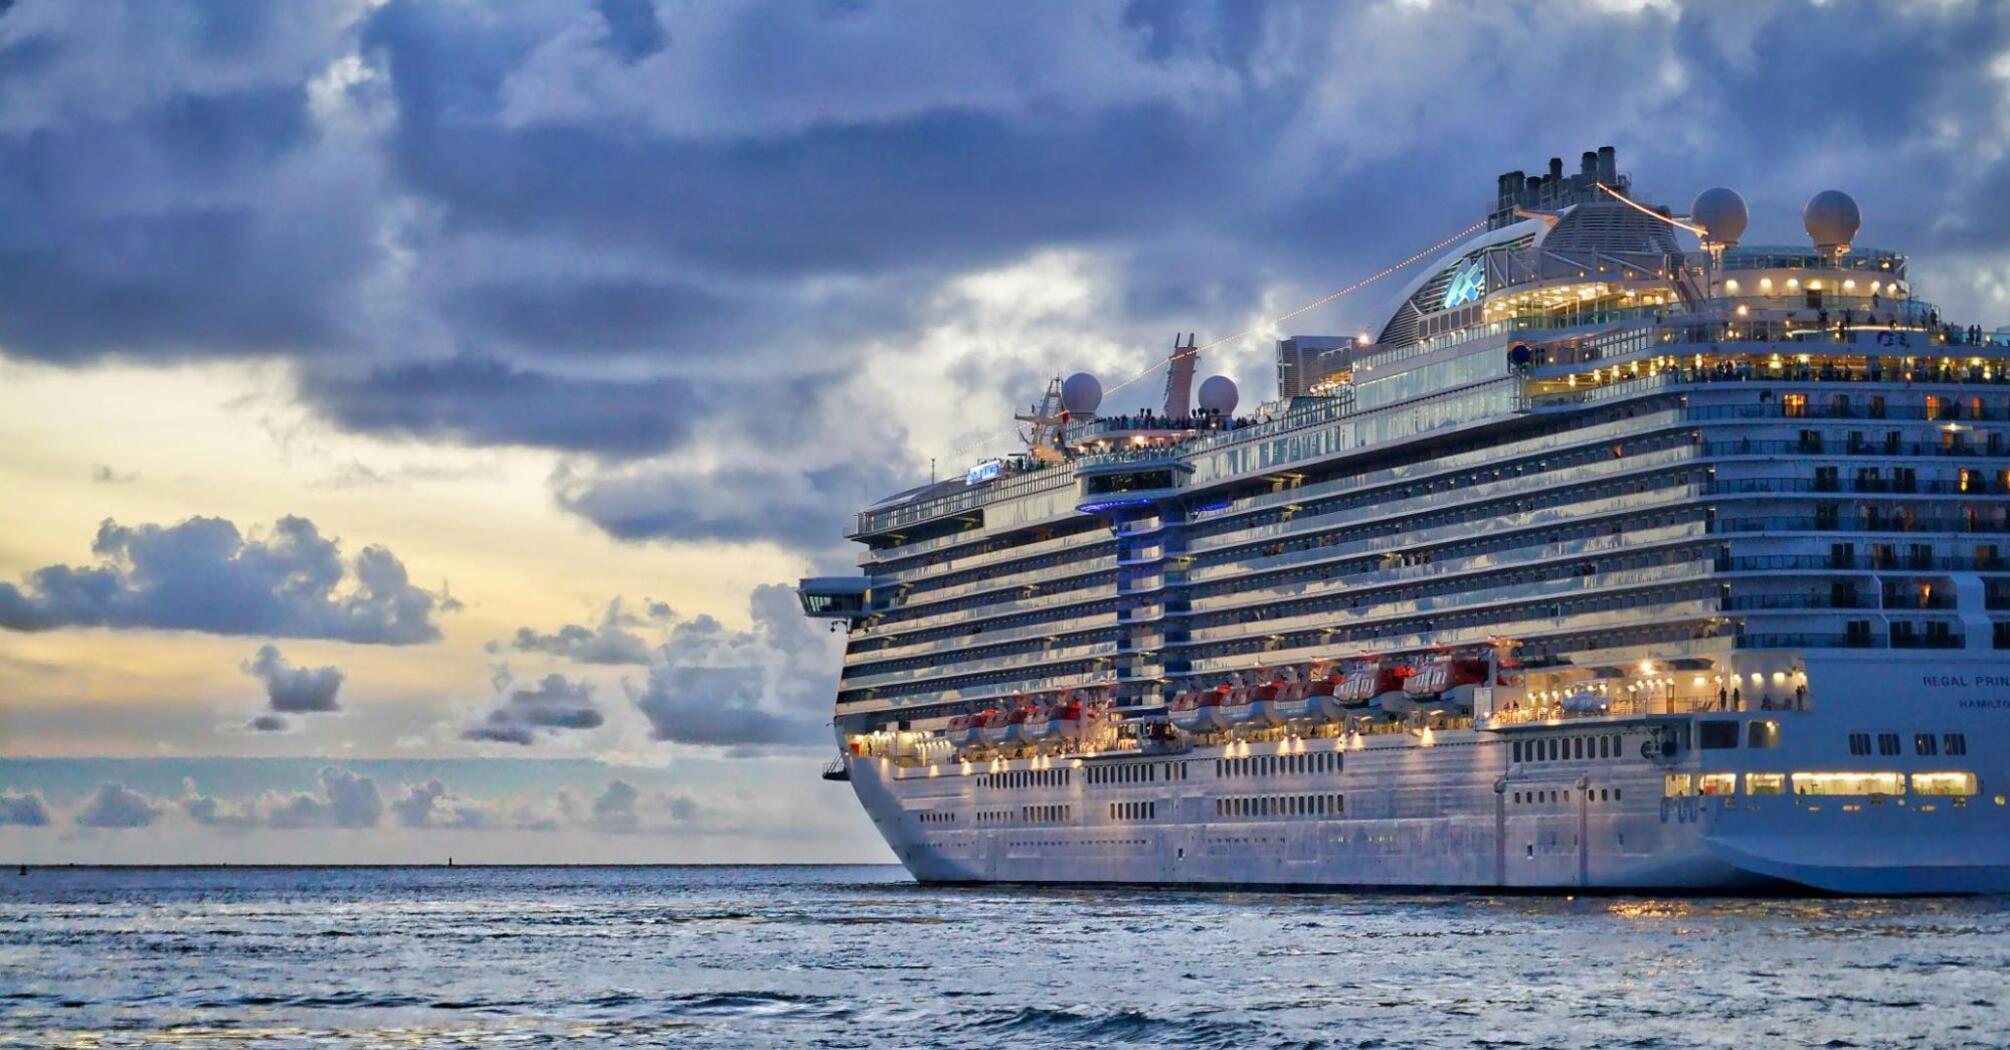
862, 957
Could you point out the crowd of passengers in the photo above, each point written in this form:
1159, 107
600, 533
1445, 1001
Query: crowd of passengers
1201, 419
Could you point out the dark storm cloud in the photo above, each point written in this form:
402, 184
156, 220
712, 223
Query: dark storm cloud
479, 400
611, 642
610, 229
586, 318
178, 212
668, 501
204, 575
724, 688
118, 806
553, 705
633, 31
294, 690
268, 724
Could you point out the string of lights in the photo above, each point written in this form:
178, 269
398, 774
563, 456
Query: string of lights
1645, 210
1317, 303
1364, 282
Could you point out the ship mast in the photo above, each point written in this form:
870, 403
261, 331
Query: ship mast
1179, 379
1047, 437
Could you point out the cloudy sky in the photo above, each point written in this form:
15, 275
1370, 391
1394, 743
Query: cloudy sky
413, 414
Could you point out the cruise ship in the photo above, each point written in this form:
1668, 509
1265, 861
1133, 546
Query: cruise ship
1616, 555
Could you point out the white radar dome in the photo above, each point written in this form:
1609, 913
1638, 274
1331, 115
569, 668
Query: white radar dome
1832, 220
1218, 395
1721, 213
1081, 394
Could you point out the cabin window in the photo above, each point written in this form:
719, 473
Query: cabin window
1960, 784
1675, 785
1957, 744
1718, 783
1849, 783
1717, 736
1859, 743
1765, 783
1762, 733
1925, 744
1517, 751
1887, 743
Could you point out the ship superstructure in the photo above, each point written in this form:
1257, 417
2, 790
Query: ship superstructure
1600, 561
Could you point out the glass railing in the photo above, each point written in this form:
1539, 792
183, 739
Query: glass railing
1398, 505
1306, 583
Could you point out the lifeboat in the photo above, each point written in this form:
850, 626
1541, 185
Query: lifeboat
1262, 706
1066, 721
963, 731
1294, 701
1363, 687
1025, 723
998, 728
1320, 702
1236, 700
1446, 682
1199, 710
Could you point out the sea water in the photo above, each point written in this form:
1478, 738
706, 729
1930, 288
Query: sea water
863, 957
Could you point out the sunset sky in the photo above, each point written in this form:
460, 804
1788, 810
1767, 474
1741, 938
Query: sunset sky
414, 415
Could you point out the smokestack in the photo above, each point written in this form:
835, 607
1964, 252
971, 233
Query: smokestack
1555, 171
1587, 165
1608, 165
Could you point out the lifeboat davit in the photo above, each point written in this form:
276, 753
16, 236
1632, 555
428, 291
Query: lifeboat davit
1444, 683
1199, 710
1361, 688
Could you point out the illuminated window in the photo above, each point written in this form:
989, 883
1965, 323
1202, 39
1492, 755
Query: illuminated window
1763, 733
1962, 784
1675, 785
1849, 783
1794, 406
1765, 783
1718, 783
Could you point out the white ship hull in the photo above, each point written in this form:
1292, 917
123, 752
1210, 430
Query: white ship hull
1457, 812
1746, 507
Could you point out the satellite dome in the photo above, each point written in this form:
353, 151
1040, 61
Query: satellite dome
1832, 220
1218, 395
1081, 394
1721, 213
